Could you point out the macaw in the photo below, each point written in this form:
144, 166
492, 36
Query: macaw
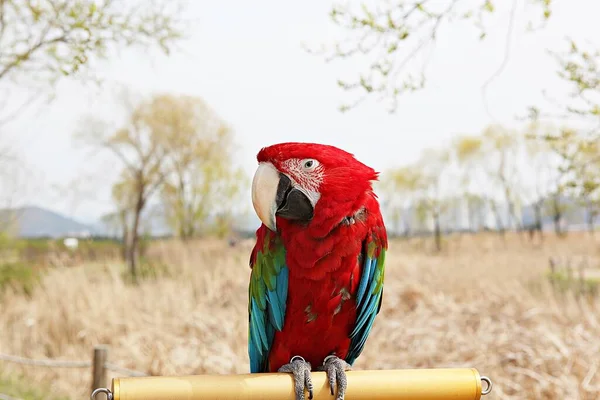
317, 268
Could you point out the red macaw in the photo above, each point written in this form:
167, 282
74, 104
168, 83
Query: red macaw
317, 268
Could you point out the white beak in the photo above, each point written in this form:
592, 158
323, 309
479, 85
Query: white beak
264, 193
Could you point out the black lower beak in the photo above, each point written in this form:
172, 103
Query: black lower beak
292, 203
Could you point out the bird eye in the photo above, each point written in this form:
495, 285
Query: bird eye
310, 164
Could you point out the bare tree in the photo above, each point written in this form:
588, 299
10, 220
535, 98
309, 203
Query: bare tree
399, 186
137, 146
175, 147
544, 192
502, 148
469, 153
432, 198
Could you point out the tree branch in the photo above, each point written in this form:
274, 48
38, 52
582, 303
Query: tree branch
119, 153
388, 30
2, 20
16, 111
27, 54
507, 46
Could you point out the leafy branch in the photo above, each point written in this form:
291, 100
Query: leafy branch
49, 39
392, 35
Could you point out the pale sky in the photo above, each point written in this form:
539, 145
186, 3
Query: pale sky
245, 59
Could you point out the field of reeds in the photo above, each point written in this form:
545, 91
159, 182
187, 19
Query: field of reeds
483, 302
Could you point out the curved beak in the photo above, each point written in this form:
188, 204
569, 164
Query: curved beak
274, 194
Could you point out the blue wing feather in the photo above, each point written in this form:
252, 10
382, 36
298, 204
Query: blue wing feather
276, 312
282, 286
267, 297
365, 315
259, 328
362, 286
369, 293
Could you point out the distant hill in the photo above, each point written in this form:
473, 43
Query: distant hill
37, 222
32, 222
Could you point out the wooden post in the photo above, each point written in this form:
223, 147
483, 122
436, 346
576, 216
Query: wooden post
98, 369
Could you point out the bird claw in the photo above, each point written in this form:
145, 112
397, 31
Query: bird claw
336, 373
302, 379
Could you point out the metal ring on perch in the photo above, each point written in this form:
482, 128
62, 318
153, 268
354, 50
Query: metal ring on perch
297, 358
107, 392
488, 389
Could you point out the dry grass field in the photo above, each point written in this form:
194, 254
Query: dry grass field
483, 303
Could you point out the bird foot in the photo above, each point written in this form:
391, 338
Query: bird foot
302, 379
336, 373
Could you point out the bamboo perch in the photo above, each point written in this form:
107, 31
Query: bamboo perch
413, 384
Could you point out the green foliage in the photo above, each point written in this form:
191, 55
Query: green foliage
399, 186
419, 186
5, 239
38, 251
468, 147
563, 283
48, 39
395, 35
22, 388
148, 270
202, 182
19, 276
579, 150
580, 156
175, 146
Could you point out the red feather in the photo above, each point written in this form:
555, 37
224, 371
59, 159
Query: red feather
323, 280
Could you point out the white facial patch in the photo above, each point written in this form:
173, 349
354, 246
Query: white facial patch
307, 176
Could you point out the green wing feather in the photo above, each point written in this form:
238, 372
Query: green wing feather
267, 297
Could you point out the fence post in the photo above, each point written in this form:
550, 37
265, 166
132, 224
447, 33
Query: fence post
98, 367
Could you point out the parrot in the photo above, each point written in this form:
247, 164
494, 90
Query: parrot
317, 266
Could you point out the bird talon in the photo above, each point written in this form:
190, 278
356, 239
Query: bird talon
300, 370
336, 373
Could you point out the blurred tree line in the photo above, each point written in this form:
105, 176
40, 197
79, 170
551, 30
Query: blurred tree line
485, 181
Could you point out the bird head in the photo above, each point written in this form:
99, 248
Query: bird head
304, 182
